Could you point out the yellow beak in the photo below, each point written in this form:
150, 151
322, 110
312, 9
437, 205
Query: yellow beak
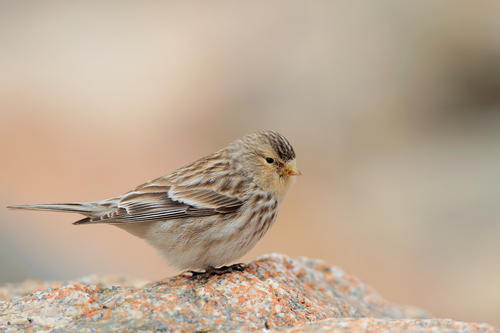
294, 172
291, 169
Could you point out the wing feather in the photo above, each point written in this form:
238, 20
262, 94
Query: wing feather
203, 197
154, 203
188, 192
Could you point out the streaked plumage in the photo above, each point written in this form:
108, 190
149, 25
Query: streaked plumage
207, 213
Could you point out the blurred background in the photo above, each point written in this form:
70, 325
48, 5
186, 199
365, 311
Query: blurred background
393, 109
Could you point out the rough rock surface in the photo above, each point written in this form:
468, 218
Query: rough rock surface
274, 292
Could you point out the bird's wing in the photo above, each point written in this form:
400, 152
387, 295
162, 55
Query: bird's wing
203, 198
151, 202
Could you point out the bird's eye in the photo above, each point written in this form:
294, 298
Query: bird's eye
269, 160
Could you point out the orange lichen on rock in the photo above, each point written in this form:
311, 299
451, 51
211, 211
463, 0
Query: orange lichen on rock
273, 292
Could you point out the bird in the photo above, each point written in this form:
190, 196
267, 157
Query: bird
207, 213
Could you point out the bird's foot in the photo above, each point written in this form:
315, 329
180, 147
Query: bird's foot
218, 271
229, 269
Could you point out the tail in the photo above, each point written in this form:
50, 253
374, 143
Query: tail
89, 209
85, 208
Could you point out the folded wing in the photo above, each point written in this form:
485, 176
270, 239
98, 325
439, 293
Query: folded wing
155, 203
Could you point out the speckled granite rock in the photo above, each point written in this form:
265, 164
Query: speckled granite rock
385, 325
274, 292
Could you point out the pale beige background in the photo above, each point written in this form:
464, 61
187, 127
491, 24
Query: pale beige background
393, 108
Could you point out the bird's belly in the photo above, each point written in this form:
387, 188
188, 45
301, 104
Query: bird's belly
202, 242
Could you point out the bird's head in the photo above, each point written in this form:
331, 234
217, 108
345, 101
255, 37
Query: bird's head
269, 159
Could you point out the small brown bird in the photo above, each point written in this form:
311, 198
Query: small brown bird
207, 213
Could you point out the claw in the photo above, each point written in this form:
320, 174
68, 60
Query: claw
217, 271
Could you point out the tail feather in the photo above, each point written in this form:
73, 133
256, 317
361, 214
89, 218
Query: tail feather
85, 208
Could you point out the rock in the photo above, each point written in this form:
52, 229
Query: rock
273, 292
392, 325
